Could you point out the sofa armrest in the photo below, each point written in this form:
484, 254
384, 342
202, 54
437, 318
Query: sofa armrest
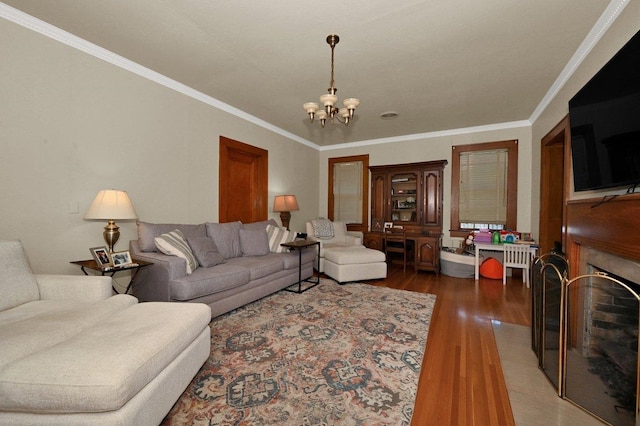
82, 288
152, 282
354, 238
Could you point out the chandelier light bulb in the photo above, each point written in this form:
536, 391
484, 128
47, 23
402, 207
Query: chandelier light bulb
344, 113
311, 108
322, 116
351, 104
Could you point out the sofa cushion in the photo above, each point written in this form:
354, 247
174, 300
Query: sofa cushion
18, 285
174, 244
205, 281
277, 236
147, 232
205, 251
259, 266
227, 238
104, 366
349, 255
254, 243
34, 326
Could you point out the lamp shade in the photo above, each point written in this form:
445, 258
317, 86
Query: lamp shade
111, 204
285, 203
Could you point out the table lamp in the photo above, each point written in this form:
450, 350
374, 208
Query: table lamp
285, 204
111, 204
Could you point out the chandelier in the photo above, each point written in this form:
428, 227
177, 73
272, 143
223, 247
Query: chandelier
343, 115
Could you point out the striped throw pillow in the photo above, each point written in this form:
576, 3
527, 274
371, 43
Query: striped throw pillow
278, 236
174, 244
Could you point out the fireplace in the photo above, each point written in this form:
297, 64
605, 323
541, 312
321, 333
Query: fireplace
601, 335
601, 315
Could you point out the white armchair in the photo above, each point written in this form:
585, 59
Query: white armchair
344, 258
341, 238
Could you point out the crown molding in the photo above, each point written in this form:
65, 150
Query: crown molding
27, 21
431, 135
601, 26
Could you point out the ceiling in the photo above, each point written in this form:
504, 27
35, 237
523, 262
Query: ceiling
440, 64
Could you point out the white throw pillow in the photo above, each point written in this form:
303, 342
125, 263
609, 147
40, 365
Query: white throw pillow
278, 236
174, 244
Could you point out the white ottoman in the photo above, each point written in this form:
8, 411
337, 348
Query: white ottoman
345, 264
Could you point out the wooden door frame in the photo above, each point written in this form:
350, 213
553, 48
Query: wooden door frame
363, 226
559, 135
259, 187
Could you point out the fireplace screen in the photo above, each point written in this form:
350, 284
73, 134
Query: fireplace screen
547, 277
601, 346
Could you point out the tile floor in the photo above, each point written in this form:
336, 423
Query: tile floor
534, 400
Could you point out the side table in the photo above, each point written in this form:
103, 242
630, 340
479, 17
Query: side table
301, 245
134, 267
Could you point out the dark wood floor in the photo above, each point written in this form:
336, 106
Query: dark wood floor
461, 381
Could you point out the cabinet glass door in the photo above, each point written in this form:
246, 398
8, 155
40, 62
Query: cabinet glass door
404, 198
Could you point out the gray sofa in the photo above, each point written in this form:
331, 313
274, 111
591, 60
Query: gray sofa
245, 272
73, 354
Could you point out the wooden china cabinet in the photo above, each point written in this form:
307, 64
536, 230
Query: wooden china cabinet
410, 195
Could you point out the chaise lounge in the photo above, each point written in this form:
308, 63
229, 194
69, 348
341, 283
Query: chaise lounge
343, 257
73, 354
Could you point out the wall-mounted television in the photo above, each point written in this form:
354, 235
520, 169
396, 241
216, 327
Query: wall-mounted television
605, 124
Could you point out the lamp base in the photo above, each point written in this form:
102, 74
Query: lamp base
111, 234
285, 217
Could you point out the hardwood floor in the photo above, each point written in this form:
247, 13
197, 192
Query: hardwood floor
461, 381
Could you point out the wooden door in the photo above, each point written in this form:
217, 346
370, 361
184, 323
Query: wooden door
428, 254
378, 196
432, 196
554, 184
243, 182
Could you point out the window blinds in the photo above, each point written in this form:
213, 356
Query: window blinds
483, 187
347, 192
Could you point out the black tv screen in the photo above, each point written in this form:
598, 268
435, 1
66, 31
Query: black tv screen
605, 124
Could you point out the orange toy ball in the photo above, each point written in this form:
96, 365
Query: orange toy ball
491, 268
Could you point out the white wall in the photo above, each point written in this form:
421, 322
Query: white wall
624, 27
439, 148
72, 124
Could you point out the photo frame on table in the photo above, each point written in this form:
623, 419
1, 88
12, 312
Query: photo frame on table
121, 258
388, 225
101, 256
377, 224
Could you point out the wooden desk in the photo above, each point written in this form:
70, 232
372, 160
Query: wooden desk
426, 248
495, 247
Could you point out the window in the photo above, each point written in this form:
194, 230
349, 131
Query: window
484, 187
348, 190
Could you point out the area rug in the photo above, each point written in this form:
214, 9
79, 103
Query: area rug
334, 355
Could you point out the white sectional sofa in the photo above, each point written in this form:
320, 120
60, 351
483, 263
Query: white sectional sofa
73, 354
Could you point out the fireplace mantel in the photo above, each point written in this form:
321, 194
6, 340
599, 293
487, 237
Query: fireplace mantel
611, 225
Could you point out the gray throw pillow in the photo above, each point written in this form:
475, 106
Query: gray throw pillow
205, 251
226, 237
254, 243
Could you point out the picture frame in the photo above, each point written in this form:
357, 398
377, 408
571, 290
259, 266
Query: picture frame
101, 256
377, 224
121, 258
388, 225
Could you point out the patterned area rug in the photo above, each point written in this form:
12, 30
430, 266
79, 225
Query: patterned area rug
347, 355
